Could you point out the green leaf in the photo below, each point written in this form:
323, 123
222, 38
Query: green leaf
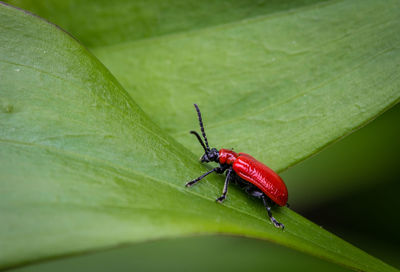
255, 80
83, 168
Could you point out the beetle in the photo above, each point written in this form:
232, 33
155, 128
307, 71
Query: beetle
255, 178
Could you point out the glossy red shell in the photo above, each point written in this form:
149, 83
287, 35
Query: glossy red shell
255, 172
227, 156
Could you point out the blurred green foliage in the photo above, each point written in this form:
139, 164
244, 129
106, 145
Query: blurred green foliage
208, 253
101, 22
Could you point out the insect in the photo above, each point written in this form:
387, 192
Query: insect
252, 176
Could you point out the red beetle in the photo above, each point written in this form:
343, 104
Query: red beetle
254, 177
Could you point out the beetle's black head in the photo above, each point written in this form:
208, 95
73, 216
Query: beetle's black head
210, 154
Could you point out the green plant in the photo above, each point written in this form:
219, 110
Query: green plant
83, 167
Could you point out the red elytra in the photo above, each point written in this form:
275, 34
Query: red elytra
253, 176
257, 173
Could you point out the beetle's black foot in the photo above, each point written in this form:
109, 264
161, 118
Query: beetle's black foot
220, 199
190, 183
277, 224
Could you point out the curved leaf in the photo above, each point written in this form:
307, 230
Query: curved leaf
83, 168
255, 80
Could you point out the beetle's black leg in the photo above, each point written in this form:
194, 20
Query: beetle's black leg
216, 169
225, 190
273, 220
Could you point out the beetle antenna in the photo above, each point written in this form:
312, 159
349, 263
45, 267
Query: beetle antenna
199, 138
202, 127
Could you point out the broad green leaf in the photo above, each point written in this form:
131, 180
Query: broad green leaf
82, 167
255, 80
